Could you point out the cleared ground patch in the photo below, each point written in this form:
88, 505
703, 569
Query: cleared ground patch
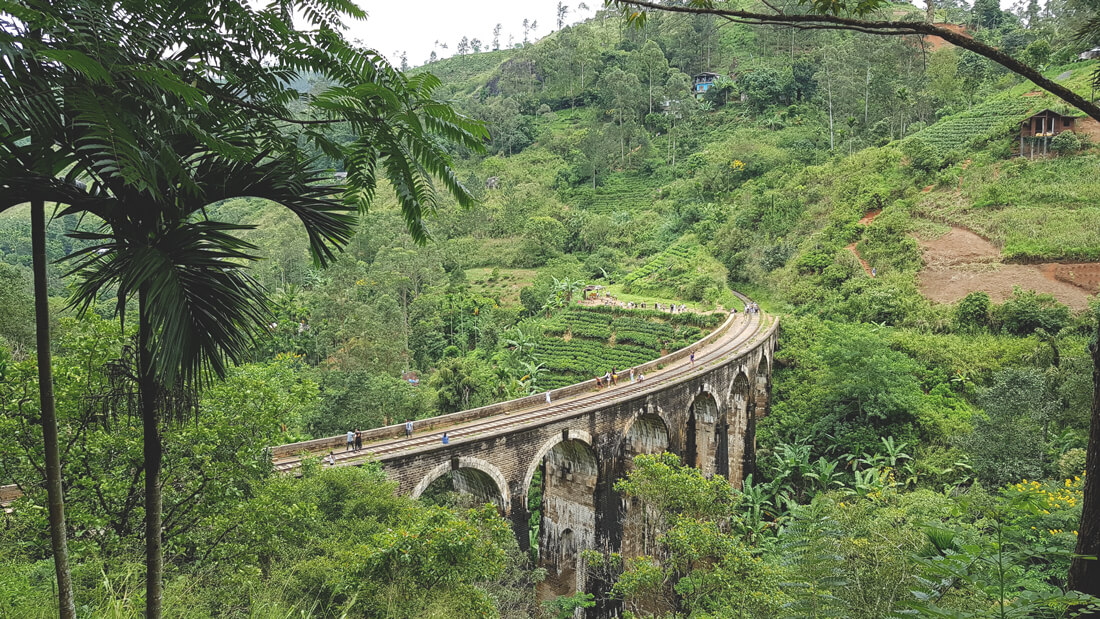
960, 262
502, 284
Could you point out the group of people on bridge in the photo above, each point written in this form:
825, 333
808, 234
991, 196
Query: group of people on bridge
612, 378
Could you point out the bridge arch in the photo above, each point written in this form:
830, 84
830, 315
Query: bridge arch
737, 425
475, 476
762, 386
573, 435
701, 434
646, 433
567, 525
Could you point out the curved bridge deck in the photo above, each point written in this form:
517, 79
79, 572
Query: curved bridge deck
740, 333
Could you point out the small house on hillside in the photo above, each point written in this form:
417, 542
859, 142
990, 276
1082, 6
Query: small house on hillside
703, 82
1037, 130
1046, 123
592, 291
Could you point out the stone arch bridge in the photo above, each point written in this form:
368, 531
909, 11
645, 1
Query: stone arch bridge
582, 442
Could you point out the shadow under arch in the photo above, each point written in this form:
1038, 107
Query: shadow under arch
574, 435
472, 476
648, 433
567, 523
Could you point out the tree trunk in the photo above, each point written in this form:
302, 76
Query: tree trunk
866, 97
1084, 574
147, 382
622, 142
829, 86
48, 415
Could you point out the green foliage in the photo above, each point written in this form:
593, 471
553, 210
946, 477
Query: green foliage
566, 606
809, 550
856, 389
973, 312
16, 308
1065, 143
577, 342
1009, 441
543, 239
703, 567
974, 126
921, 156
360, 399
1028, 311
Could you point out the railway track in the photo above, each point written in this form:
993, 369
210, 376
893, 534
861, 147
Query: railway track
747, 328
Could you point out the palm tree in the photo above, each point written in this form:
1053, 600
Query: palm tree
197, 306
157, 141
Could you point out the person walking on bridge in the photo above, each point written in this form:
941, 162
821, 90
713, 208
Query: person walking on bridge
351, 441
408, 428
547, 397
446, 441
693, 357
358, 439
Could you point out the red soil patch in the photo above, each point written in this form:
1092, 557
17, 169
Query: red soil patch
855, 252
1083, 275
961, 262
869, 217
866, 221
935, 43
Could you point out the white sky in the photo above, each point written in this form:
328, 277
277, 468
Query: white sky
413, 26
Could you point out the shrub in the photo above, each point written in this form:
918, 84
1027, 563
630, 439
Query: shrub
1072, 463
1065, 143
973, 312
1027, 311
922, 156
815, 261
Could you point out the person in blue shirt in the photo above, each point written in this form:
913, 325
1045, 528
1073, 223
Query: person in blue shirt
446, 441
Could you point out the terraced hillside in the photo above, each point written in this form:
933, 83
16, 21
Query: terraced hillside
580, 343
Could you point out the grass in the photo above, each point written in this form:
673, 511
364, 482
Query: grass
501, 284
1042, 209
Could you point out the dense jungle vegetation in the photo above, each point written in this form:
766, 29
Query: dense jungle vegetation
918, 458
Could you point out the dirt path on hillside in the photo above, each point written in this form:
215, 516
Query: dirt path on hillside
866, 221
961, 262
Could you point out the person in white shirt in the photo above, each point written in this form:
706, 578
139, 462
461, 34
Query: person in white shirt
331, 459
351, 440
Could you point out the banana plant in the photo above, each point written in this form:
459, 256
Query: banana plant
825, 474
